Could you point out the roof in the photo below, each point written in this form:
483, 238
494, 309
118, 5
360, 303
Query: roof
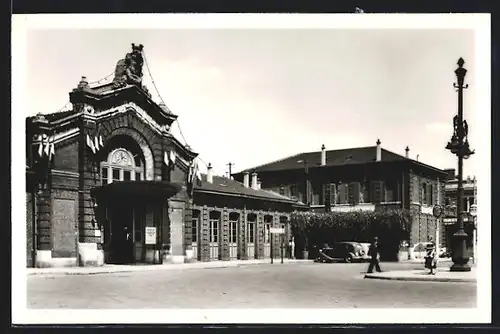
51, 117
349, 156
224, 185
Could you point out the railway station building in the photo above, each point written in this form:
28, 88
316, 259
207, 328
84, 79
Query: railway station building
107, 182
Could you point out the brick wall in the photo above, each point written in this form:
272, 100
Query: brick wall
29, 231
88, 179
242, 236
66, 155
224, 240
204, 251
64, 223
260, 235
44, 221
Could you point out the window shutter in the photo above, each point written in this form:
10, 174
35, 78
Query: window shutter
333, 194
326, 195
429, 194
353, 193
377, 193
342, 194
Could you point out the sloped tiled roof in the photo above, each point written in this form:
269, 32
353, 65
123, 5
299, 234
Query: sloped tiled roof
225, 185
51, 117
349, 156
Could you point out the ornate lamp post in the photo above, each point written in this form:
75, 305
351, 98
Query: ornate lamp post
459, 145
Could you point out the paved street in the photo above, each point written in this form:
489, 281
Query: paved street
304, 285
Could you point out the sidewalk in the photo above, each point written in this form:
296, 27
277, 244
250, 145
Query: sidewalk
422, 260
442, 275
114, 268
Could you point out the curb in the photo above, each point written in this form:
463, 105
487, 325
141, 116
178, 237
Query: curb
421, 279
75, 272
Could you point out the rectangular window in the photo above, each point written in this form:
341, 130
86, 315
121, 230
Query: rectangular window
267, 233
333, 194
214, 225
126, 175
293, 191
104, 175
251, 232
424, 194
430, 194
194, 230
138, 176
233, 232
116, 174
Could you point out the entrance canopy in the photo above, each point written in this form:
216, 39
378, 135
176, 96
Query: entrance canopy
137, 190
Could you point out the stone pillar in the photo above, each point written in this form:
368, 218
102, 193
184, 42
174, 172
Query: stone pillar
260, 235
276, 237
224, 240
188, 243
204, 235
242, 236
43, 255
90, 251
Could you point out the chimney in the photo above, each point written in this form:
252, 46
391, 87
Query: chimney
246, 179
323, 155
254, 180
379, 151
407, 150
258, 184
210, 178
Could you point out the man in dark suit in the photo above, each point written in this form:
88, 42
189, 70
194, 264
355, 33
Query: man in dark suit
374, 253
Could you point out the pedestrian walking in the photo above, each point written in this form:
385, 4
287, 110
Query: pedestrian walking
374, 253
431, 259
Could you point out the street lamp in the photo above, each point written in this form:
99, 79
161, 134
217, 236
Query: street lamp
459, 146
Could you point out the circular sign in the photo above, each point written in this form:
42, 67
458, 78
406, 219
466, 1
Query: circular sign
473, 210
437, 211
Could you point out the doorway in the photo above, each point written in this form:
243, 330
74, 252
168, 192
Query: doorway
121, 243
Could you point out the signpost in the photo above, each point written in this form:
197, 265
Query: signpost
280, 231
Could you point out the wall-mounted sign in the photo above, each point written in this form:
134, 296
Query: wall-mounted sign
277, 230
150, 235
453, 220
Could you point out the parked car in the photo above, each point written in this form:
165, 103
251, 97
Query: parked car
346, 251
366, 248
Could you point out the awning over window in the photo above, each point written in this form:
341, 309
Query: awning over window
136, 190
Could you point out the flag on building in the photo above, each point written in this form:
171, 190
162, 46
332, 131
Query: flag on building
40, 145
173, 156
90, 143
165, 158
52, 148
96, 143
47, 146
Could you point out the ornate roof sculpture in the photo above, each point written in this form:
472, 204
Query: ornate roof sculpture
129, 69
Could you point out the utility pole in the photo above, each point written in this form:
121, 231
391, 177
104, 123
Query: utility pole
230, 164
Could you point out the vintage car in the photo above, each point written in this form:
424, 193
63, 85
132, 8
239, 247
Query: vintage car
345, 251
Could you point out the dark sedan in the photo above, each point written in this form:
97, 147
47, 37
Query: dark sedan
346, 251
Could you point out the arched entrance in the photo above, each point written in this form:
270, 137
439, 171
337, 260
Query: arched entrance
131, 205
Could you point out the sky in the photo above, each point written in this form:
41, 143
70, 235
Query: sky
252, 96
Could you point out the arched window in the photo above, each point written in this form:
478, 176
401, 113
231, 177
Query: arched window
122, 165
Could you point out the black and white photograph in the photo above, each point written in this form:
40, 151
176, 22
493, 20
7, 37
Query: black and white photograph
251, 168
